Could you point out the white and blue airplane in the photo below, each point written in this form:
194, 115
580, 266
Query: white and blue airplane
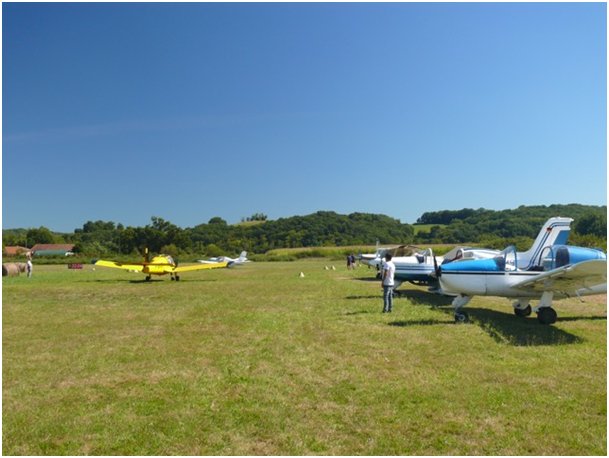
242, 259
421, 266
545, 272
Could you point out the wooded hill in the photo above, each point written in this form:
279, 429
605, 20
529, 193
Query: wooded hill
490, 228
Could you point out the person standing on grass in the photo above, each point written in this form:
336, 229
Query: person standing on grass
387, 275
29, 266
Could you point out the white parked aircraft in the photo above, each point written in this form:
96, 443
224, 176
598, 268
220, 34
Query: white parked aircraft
420, 265
556, 271
419, 268
242, 259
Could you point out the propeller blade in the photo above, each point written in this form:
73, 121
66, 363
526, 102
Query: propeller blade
437, 269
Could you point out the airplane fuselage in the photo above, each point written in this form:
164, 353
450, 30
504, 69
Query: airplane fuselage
502, 284
499, 276
160, 265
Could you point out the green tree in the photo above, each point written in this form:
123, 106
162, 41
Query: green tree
40, 235
592, 224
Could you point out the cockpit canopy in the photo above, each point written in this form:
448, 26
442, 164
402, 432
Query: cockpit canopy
551, 258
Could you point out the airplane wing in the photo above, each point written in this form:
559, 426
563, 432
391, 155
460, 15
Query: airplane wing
217, 265
120, 265
569, 279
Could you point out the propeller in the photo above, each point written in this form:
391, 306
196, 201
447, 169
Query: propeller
437, 270
146, 256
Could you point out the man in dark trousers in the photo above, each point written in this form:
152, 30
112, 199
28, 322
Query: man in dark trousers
387, 275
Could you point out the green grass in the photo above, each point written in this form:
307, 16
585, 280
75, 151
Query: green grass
425, 227
256, 360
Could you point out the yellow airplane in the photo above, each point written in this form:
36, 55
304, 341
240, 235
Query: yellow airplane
160, 265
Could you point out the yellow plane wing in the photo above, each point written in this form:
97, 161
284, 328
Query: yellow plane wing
120, 265
217, 265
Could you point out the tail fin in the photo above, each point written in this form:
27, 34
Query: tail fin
555, 231
243, 256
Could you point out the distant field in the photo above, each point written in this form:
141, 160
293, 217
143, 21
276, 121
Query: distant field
425, 227
258, 361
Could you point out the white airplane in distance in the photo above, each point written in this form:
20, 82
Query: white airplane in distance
555, 270
242, 259
369, 258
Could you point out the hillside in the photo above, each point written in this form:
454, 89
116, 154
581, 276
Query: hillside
324, 228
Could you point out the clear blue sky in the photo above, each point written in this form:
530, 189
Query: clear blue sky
121, 112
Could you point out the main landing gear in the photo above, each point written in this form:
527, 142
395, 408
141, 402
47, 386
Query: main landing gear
545, 313
175, 277
522, 308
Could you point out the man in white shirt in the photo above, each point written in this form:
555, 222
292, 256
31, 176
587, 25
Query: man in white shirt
387, 275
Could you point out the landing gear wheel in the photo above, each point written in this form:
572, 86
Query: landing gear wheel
461, 317
546, 315
172, 279
177, 278
148, 278
523, 312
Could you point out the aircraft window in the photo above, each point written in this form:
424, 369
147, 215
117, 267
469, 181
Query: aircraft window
510, 258
546, 259
500, 261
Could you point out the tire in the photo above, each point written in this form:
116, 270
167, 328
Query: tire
461, 317
547, 315
523, 312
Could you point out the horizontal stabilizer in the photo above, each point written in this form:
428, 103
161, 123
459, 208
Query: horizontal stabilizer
570, 278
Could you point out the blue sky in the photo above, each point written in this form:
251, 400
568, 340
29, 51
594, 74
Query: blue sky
121, 112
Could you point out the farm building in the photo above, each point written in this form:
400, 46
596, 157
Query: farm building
15, 250
52, 249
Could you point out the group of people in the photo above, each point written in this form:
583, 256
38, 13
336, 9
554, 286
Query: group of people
351, 261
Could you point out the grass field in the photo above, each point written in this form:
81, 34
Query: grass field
256, 360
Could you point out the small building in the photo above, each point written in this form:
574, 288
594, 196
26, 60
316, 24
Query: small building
52, 249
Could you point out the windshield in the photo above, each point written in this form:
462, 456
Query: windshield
510, 258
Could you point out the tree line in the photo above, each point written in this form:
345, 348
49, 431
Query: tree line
490, 228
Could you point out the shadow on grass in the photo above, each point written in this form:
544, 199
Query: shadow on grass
153, 280
430, 322
503, 327
419, 297
579, 318
518, 331
360, 312
368, 279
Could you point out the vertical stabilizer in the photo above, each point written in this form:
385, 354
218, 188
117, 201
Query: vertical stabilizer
555, 231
